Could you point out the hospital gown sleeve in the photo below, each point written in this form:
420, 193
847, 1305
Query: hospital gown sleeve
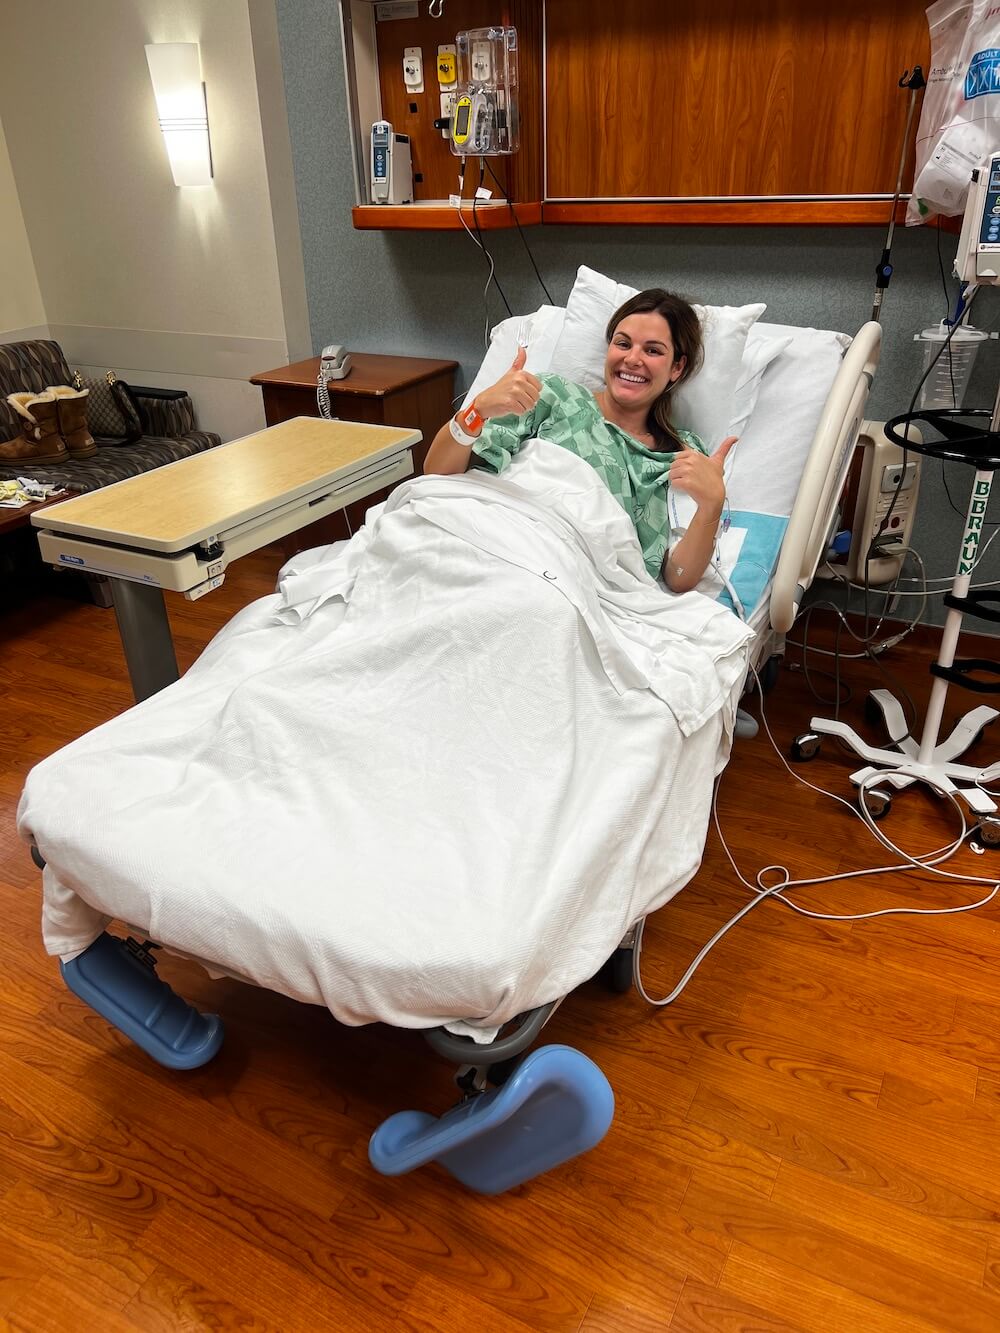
502, 437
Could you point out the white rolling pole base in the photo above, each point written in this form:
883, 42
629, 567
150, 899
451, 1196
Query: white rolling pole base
932, 761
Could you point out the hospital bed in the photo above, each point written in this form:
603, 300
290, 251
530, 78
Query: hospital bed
520, 1115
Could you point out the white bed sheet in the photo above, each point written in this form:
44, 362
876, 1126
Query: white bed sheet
432, 782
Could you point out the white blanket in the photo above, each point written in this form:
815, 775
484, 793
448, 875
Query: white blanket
433, 780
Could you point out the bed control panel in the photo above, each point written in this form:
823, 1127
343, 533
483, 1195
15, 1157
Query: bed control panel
886, 504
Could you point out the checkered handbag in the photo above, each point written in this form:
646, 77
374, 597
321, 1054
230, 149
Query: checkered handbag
110, 412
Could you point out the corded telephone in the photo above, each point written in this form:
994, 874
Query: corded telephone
334, 364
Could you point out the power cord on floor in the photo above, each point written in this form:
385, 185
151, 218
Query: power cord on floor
761, 891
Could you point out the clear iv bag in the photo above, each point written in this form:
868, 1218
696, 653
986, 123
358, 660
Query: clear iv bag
960, 116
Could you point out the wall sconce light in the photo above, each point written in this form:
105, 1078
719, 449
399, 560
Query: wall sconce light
175, 71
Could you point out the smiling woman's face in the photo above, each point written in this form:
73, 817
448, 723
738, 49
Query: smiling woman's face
640, 362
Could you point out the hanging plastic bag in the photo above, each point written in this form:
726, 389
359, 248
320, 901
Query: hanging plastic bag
960, 117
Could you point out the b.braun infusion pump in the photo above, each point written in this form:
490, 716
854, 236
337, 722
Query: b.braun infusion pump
390, 168
978, 257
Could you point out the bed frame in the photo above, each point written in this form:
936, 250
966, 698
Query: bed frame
519, 1114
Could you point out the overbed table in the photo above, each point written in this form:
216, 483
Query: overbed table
180, 526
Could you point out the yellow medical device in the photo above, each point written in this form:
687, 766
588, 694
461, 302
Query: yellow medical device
463, 120
447, 66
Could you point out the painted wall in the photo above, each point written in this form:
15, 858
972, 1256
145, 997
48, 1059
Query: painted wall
420, 293
22, 314
165, 285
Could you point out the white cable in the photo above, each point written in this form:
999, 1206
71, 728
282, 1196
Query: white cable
931, 592
947, 579
715, 560
872, 645
475, 241
928, 862
737, 604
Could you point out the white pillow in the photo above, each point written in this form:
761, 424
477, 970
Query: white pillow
757, 356
763, 471
704, 403
545, 334
538, 332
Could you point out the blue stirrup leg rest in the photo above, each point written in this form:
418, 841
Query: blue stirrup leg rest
556, 1105
123, 987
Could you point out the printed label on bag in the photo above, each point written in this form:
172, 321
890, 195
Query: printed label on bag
984, 73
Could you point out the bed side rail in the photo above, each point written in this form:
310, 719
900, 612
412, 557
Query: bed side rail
824, 476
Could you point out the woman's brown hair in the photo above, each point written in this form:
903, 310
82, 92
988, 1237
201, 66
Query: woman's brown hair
685, 333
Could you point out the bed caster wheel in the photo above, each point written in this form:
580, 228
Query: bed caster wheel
989, 831
619, 971
877, 801
805, 747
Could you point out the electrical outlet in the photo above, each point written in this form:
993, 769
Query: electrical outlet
892, 474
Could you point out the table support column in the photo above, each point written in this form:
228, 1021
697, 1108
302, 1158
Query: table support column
145, 634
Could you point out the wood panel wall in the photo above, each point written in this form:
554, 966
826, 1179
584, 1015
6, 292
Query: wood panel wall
433, 159
735, 97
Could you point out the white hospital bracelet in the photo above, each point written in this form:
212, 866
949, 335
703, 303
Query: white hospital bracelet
461, 436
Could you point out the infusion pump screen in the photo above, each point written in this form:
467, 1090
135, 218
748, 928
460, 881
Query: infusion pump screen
462, 126
995, 177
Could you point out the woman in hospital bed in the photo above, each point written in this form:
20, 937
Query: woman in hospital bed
624, 432
495, 635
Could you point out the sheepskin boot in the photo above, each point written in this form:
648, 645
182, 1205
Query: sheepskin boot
72, 405
39, 441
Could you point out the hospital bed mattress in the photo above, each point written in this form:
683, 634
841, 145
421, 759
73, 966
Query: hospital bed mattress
432, 780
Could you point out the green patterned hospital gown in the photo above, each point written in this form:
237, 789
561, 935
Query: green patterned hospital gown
568, 415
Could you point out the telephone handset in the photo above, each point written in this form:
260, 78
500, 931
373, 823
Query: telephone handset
334, 364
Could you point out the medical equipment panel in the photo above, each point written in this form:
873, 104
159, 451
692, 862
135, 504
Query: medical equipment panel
978, 258
391, 172
486, 108
888, 488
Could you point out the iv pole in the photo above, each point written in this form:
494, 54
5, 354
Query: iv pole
883, 269
932, 760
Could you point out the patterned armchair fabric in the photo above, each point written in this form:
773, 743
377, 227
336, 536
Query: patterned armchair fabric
32, 365
170, 426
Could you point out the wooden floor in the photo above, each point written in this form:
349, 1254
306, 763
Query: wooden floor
807, 1140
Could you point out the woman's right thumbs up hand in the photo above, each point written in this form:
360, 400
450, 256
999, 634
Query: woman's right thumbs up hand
517, 391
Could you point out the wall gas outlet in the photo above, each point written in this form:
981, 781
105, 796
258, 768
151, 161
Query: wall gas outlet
413, 69
447, 66
481, 63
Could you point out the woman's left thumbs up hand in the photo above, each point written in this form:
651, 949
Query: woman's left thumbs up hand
701, 477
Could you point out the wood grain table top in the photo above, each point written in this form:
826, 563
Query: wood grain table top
176, 506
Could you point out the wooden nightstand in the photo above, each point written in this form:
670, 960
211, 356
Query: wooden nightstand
382, 390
